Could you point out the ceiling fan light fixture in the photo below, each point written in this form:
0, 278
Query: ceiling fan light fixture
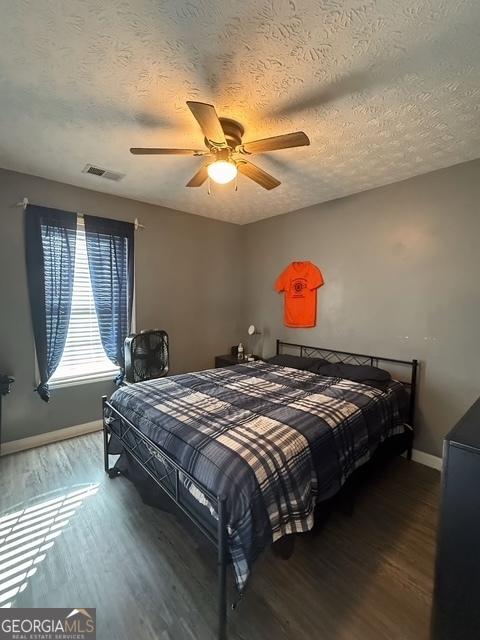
223, 139
222, 171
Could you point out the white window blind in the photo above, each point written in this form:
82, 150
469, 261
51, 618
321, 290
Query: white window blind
84, 357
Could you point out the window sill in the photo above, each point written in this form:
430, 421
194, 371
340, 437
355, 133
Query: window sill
73, 382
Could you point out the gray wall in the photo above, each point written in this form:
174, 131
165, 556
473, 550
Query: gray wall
188, 281
402, 267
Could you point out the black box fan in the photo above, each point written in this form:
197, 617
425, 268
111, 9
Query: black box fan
146, 355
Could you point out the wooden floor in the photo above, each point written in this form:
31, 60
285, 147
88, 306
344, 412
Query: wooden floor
88, 541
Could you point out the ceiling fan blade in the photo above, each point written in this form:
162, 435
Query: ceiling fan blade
199, 178
139, 151
258, 175
286, 141
207, 118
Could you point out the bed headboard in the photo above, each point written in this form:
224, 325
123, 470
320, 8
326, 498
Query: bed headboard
403, 370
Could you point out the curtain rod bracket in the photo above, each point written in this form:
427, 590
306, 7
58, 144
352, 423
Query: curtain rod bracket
24, 203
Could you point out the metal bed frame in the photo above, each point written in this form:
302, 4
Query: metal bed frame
146, 453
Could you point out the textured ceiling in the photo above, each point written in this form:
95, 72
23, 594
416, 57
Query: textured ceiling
386, 89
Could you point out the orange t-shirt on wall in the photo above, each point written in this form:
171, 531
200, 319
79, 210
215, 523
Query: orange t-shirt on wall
300, 281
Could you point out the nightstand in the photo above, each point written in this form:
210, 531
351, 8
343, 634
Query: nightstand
228, 360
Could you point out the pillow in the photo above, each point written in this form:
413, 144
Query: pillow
296, 362
373, 376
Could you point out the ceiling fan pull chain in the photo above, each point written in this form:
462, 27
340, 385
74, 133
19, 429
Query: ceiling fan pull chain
236, 181
208, 186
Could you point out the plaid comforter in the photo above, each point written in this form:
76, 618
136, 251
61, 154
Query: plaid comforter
273, 440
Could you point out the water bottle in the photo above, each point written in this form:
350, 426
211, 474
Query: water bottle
240, 351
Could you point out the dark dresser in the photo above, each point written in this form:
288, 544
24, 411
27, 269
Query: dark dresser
456, 606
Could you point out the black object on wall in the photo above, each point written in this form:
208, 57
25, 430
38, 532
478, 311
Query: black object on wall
5, 385
456, 606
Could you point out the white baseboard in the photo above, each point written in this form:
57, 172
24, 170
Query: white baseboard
89, 427
427, 459
48, 438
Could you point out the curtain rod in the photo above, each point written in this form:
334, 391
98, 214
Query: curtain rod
25, 202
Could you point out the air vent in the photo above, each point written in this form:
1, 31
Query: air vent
103, 173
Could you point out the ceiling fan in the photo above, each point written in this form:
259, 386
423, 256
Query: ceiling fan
226, 153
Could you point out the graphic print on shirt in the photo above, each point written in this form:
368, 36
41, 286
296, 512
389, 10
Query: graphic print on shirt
299, 283
298, 286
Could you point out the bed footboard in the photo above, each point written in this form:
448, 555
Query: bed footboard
146, 453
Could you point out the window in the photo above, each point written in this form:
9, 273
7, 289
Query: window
84, 357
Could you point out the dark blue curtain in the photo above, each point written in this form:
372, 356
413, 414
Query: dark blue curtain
110, 246
50, 237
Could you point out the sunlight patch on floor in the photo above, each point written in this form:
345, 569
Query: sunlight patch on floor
26, 535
